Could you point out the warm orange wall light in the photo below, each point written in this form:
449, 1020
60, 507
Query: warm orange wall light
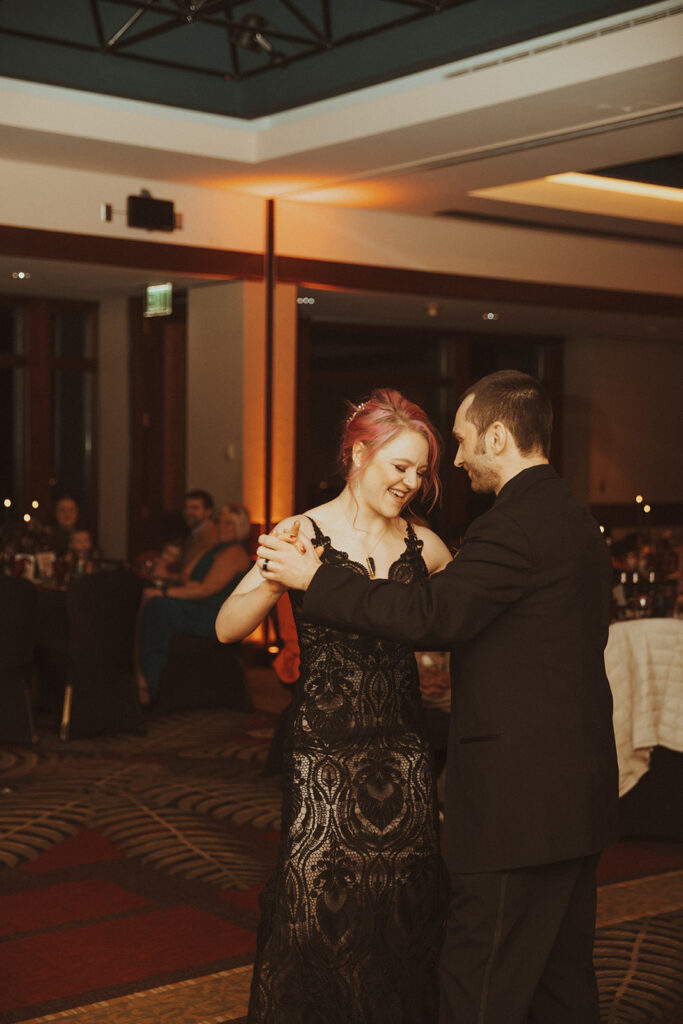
359, 194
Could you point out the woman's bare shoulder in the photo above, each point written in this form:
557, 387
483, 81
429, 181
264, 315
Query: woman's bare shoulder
322, 515
435, 553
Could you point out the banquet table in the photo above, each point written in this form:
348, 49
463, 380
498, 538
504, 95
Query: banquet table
644, 663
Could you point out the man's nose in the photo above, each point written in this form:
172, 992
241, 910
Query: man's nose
457, 461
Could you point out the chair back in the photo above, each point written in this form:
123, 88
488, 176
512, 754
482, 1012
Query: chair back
101, 696
17, 645
17, 623
102, 609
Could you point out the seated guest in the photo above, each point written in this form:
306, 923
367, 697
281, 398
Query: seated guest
162, 565
82, 555
189, 608
240, 518
198, 515
66, 519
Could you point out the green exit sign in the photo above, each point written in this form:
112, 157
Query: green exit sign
159, 300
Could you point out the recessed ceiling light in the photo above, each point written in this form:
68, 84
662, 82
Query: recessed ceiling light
21, 275
632, 188
490, 316
306, 300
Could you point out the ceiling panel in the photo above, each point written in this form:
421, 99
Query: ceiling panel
249, 58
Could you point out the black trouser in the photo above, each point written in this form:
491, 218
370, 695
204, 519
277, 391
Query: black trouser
519, 946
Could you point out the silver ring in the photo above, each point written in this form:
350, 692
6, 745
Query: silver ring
264, 567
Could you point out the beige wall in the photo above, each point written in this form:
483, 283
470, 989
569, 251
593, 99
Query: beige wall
68, 199
64, 199
226, 394
215, 325
284, 400
623, 429
459, 247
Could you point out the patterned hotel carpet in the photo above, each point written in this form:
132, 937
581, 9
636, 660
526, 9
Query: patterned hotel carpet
133, 865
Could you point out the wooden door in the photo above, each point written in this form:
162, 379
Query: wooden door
158, 413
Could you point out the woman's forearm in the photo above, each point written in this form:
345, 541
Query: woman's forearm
243, 611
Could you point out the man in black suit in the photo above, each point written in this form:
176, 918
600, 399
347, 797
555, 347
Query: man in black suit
531, 791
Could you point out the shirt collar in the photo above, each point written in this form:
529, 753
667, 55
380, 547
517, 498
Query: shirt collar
523, 480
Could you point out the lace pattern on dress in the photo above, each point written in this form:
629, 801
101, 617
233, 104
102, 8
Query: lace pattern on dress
352, 917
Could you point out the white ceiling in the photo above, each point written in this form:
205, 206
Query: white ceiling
606, 93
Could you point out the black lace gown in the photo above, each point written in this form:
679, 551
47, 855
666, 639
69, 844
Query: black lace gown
351, 920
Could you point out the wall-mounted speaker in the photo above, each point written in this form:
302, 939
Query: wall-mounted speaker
152, 214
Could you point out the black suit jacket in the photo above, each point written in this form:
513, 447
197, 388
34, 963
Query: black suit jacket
532, 770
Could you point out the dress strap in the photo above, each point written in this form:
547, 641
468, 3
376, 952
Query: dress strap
413, 542
319, 537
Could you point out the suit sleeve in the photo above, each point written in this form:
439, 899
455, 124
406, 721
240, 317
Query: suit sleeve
492, 570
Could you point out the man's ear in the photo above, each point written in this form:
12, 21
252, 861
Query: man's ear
498, 437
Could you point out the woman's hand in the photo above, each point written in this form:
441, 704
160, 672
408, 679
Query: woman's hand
287, 559
292, 537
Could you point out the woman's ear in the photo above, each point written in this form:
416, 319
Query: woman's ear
358, 453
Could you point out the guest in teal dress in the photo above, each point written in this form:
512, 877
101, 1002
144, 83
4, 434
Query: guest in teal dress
190, 609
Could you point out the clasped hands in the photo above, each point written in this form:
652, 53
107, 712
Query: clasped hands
287, 558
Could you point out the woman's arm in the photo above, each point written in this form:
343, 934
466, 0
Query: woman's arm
253, 598
246, 607
226, 565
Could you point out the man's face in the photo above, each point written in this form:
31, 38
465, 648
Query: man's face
81, 543
473, 454
66, 513
195, 512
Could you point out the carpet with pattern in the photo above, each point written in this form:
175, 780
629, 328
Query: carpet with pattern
131, 867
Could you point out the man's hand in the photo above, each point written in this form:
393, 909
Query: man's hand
287, 559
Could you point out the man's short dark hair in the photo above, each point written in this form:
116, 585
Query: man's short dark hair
519, 402
203, 496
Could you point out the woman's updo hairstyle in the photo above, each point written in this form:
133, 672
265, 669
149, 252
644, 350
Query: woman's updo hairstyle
378, 420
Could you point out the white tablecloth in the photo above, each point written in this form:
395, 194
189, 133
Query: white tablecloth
644, 663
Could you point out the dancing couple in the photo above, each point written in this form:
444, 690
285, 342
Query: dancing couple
361, 923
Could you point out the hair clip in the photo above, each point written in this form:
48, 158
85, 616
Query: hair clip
355, 412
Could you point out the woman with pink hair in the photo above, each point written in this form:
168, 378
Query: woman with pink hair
351, 920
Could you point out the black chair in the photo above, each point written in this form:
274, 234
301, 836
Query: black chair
17, 643
52, 652
101, 694
200, 672
652, 809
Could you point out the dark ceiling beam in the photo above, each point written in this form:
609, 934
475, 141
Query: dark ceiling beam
180, 14
369, 278
36, 243
427, 5
95, 11
226, 263
300, 16
176, 22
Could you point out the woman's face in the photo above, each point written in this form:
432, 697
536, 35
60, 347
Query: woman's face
393, 476
226, 526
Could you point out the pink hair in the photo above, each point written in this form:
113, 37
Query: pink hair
377, 421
